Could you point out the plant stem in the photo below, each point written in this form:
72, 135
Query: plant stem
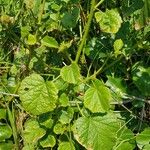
13, 125
86, 31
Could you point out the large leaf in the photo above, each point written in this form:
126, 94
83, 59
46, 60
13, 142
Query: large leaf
143, 138
109, 21
71, 73
33, 132
99, 132
141, 78
97, 98
37, 96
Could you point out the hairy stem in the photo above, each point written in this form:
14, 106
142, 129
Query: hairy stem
86, 31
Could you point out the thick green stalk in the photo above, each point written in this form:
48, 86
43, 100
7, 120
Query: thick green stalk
86, 31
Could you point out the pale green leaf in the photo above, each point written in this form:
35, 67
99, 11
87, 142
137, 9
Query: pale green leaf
109, 21
118, 44
32, 132
71, 73
98, 132
31, 39
66, 146
97, 98
66, 116
37, 96
64, 100
49, 42
49, 141
146, 147
5, 132
143, 138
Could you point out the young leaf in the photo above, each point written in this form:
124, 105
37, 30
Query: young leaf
31, 39
37, 96
66, 146
71, 73
97, 97
32, 132
5, 132
118, 44
49, 42
49, 141
109, 21
97, 132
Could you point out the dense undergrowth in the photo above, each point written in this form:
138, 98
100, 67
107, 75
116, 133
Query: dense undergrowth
75, 74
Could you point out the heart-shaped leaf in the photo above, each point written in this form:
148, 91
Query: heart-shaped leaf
97, 98
99, 132
71, 73
38, 96
33, 132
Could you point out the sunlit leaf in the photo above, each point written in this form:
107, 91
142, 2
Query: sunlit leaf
66, 146
38, 96
5, 132
97, 132
97, 98
109, 21
49, 42
32, 132
143, 138
71, 73
49, 141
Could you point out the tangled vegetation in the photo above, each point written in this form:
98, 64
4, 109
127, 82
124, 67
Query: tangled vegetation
75, 75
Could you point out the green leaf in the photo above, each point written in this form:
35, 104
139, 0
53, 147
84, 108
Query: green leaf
109, 21
141, 78
118, 44
66, 146
32, 132
7, 146
125, 140
28, 147
59, 128
66, 116
97, 98
2, 113
37, 96
98, 132
143, 138
49, 141
5, 132
64, 100
31, 39
117, 85
70, 19
71, 73
125, 146
146, 147
49, 42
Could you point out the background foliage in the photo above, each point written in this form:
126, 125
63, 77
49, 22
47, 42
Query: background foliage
75, 74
